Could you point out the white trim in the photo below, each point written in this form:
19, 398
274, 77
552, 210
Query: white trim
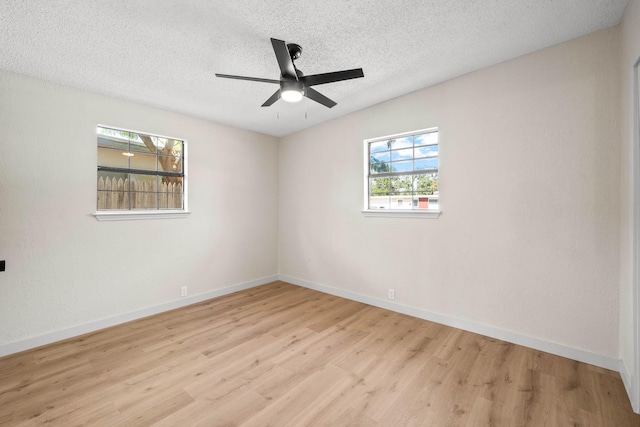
627, 381
93, 326
390, 213
467, 325
128, 215
633, 384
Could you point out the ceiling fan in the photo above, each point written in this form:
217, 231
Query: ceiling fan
293, 83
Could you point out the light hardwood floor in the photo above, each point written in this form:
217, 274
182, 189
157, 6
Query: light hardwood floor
282, 355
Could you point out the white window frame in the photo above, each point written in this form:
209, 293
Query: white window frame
122, 215
395, 213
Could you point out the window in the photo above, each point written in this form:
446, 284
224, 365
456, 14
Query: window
139, 173
401, 173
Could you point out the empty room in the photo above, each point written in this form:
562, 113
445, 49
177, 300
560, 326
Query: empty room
337, 213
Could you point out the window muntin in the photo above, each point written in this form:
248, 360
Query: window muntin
139, 172
402, 172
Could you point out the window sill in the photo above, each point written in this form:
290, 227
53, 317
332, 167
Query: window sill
129, 215
397, 213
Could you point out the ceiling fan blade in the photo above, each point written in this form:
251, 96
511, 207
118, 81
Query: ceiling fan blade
251, 79
318, 97
284, 59
273, 98
336, 76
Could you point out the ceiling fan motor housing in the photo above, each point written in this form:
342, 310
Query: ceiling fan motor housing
295, 51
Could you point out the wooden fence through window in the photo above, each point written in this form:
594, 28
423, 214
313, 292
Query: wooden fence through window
115, 194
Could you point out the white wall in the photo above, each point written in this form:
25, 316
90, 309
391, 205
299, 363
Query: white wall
630, 52
528, 241
64, 268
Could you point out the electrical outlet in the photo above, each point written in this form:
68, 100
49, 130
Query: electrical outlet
183, 291
392, 294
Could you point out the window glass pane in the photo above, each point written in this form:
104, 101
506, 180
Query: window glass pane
426, 151
428, 163
403, 166
169, 147
401, 184
113, 138
170, 193
379, 202
140, 143
399, 143
401, 201
141, 201
424, 202
170, 185
143, 161
174, 201
112, 191
405, 154
434, 202
380, 167
112, 142
379, 186
112, 158
170, 164
104, 131
426, 139
380, 157
376, 147
162, 144
141, 182
144, 191
112, 175
426, 184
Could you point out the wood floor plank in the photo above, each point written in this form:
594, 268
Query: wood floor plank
283, 355
302, 402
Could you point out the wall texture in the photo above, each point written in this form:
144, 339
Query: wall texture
66, 269
528, 241
630, 53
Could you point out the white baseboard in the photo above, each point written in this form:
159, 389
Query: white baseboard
627, 380
467, 325
48, 338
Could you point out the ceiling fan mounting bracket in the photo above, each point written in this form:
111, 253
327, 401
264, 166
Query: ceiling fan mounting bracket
295, 51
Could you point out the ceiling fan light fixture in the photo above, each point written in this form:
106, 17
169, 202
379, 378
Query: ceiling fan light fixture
292, 95
292, 91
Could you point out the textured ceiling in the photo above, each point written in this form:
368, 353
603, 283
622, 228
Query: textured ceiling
164, 53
